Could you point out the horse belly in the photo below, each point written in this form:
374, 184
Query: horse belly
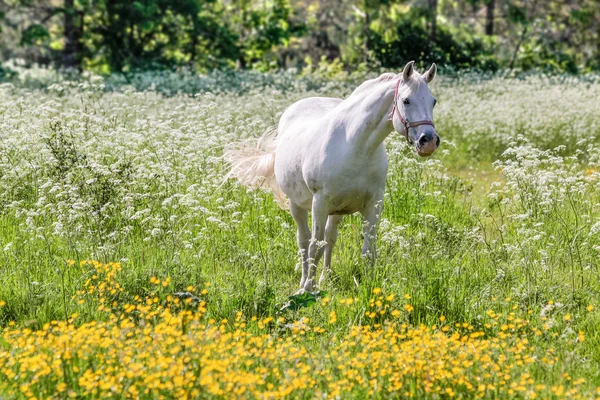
356, 184
350, 200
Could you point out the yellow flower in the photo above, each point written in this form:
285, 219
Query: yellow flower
376, 290
567, 317
589, 307
332, 317
152, 353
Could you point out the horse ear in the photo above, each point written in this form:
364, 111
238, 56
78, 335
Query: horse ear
430, 74
408, 70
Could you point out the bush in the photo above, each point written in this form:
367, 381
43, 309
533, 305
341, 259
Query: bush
452, 48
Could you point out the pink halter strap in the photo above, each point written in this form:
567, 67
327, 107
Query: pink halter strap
406, 124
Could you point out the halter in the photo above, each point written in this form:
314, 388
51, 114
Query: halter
406, 124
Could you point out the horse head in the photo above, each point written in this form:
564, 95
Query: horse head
413, 109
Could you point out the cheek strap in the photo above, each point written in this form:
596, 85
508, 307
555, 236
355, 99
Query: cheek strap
404, 121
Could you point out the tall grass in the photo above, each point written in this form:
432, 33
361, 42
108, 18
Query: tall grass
101, 170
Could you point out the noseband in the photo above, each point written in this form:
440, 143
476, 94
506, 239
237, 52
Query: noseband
406, 124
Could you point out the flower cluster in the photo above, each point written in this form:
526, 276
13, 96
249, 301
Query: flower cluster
164, 346
132, 171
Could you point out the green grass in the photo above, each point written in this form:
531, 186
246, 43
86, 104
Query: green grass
136, 177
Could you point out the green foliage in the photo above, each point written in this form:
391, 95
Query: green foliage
302, 300
147, 34
123, 35
34, 34
550, 58
411, 41
262, 29
517, 13
6, 73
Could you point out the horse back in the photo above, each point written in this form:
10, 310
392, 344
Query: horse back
305, 112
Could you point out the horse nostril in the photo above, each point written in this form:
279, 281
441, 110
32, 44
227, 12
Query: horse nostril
427, 137
437, 142
424, 139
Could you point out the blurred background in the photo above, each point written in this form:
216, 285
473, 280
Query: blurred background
108, 36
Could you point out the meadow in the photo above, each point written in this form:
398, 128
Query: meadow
129, 268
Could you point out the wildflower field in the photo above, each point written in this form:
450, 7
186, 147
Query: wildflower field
130, 269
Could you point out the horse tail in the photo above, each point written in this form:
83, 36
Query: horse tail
254, 166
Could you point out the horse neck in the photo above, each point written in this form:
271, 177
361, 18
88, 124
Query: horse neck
369, 120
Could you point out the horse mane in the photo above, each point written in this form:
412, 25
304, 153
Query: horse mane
388, 76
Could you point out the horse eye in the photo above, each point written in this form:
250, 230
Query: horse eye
434, 102
405, 101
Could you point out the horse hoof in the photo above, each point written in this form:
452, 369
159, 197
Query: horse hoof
309, 286
324, 275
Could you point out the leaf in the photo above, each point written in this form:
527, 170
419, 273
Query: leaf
306, 299
517, 14
34, 34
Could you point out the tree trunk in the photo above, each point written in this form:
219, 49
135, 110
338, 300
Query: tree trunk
366, 31
489, 17
530, 21
433, 6
598, 37
70, 56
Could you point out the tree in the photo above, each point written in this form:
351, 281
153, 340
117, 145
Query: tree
124, 35
72, 33
261, 29
489, 17
433, 6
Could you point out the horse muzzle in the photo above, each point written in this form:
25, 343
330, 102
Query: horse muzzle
427, 143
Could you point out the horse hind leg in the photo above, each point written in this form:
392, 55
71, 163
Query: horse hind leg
300, 215
331, 234
316, 246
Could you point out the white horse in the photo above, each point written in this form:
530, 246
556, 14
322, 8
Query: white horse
328, 157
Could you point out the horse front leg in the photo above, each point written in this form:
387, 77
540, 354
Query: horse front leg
331, 234
315, 248
371, 215
300, 215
